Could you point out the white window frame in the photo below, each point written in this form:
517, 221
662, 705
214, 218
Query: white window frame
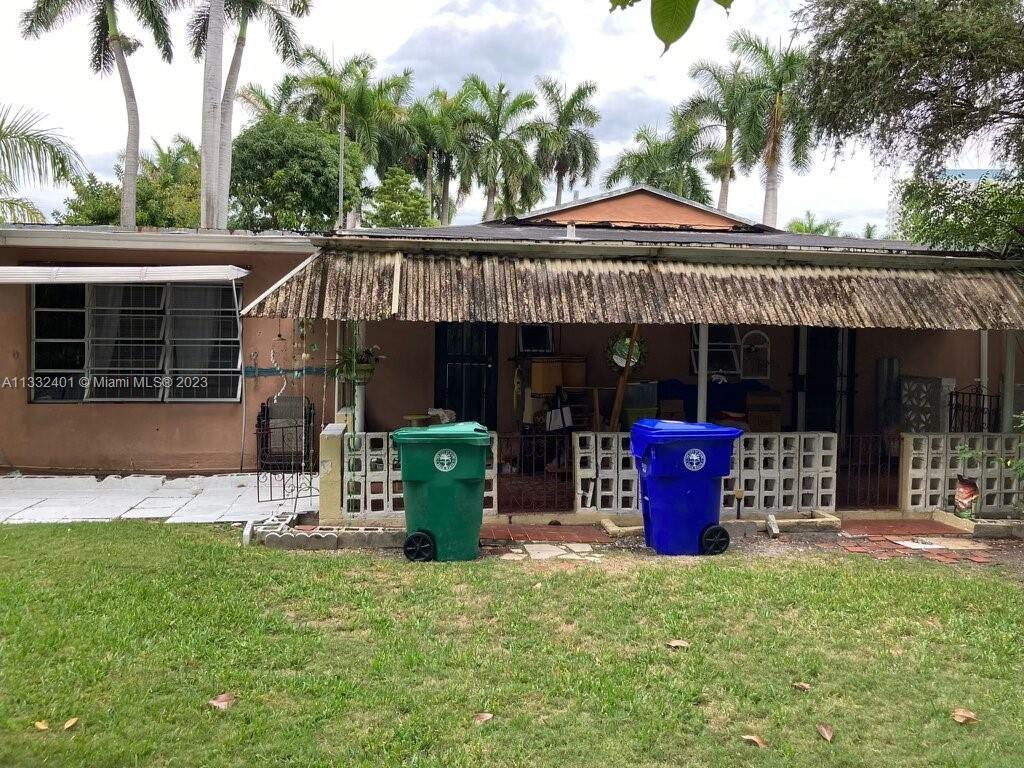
755, 338
163, 368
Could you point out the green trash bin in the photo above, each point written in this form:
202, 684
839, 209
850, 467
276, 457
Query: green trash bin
443, 484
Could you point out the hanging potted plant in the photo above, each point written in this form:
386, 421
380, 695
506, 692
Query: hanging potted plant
357, 364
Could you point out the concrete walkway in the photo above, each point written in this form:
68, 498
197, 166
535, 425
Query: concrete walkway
216, 499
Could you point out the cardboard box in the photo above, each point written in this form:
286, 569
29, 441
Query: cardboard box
672, 409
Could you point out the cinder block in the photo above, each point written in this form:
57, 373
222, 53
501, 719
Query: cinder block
583, 443
377, 443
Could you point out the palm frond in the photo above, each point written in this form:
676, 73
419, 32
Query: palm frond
31, 154
152, 14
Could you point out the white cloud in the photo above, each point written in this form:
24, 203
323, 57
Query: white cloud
571, 40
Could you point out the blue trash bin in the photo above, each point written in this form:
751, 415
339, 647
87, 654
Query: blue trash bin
681, 469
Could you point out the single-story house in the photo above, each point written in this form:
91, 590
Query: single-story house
844, 344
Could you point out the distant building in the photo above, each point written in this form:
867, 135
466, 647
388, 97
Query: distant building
893, 212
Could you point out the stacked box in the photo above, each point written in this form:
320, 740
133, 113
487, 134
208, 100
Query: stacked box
607, 492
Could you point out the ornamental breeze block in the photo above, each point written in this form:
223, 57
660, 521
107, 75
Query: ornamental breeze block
930, 463
605, 477
373, 476
782, 473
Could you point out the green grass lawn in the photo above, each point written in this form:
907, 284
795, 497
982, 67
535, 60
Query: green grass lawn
364, 659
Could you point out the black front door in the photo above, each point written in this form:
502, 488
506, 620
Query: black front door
822, 379
466, 366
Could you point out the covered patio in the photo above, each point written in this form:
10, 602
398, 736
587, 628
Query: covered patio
825, 350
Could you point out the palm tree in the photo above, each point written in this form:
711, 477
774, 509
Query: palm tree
110, 47
278, 102
811, 225
775, 125
566, 148
374, 110
720, 105
504, 129
668, 162
520, 194
443, 125
278, 17
30, 154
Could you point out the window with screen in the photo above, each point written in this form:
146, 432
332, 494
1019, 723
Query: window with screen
151, 342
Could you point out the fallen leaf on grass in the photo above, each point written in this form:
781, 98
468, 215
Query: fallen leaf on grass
222, 701
826, 732
964, 716
68, 725
42, 725
678, 644
805, 687
757, 741
481, 717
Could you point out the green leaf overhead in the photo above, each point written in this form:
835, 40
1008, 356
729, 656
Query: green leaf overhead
671, 19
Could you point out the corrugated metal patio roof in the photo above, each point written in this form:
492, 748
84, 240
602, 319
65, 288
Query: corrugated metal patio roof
368, 285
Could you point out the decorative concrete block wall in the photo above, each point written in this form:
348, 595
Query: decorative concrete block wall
930, 463
784, 473
605, 477
372, 485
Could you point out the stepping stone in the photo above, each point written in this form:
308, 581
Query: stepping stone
514, 556
543, 551
580, 548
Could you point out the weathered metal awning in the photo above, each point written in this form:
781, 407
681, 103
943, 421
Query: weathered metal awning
183, 274
371, 285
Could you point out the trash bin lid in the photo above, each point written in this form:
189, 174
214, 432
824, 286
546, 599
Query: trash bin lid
466, 432
656, 430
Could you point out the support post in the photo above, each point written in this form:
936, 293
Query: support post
702, 373
359, 391
1009, 376
801, 395
337, 379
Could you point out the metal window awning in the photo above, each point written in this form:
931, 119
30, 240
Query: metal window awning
486, 288
50, 275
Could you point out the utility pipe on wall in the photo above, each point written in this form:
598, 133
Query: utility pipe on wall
702, 372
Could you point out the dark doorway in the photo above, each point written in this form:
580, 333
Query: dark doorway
466, 365
822, 383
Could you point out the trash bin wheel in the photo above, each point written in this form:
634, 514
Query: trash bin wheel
714, 540
419, 547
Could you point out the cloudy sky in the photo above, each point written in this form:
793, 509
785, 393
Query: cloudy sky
512, 40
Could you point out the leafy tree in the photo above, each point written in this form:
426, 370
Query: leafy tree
444, 129
519, 194
285, 41
504, 128
374, 108
775, 126
720, 106
671, 162
670, 18
811, 225
917, 80
399, 202
281, 100
167, 193
30, 154
955, 213
110, 47
566, 148
285, 175
870, 231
